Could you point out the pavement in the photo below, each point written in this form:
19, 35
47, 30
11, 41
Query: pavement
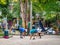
45, 40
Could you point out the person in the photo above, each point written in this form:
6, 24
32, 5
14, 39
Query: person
6, 34
13, 28
33, 31
3, 25
22, 32
39, 31
42, 27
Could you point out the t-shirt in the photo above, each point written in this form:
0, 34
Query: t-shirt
21, 29
39, 30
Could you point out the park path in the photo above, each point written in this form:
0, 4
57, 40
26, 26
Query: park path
45, 40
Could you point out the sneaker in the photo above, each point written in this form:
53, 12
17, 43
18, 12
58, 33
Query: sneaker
33, 38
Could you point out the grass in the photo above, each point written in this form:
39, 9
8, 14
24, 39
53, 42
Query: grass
1, 34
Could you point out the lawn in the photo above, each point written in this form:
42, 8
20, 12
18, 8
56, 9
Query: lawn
1, 34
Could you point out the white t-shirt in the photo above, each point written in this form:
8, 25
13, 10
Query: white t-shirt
39, 30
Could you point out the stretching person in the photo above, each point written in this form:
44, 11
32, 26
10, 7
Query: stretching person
33, 31
22, 32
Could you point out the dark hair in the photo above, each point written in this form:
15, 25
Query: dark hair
33, 23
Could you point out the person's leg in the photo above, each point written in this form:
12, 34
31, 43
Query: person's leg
40, 35
37, 34
34, 36
21, 34
31, 33
31, 36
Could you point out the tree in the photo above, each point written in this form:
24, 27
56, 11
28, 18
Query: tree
24, 12
4, 3
4, 7
39, 6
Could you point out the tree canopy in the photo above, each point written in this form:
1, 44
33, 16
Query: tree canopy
4, 3
49, 7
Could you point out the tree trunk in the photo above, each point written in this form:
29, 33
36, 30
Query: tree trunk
22, 13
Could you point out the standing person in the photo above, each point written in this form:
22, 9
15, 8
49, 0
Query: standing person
5, 29
41, 25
